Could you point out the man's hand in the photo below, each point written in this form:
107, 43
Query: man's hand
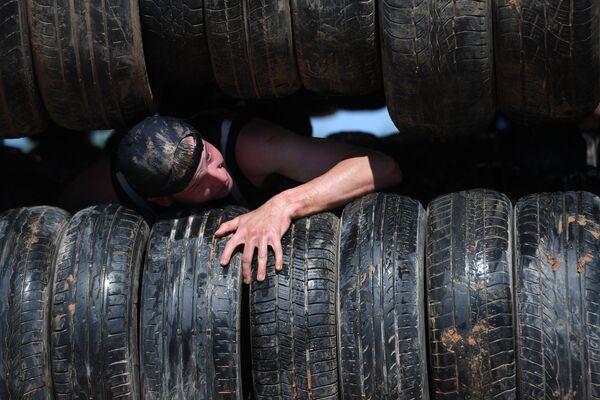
260, 228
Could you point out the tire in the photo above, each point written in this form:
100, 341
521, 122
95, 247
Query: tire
469, 290
557, 285
21, 109
90, 62
94, 349
437, 61
548, 59
381, 330
336, 46
293, 319
175, 46
191, 310
251, 47
28, 240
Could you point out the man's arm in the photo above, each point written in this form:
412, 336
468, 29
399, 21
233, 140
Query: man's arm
334, 174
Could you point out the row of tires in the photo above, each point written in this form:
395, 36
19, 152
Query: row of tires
471, 299
433, 58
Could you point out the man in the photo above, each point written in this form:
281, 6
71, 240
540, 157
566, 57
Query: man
163, 161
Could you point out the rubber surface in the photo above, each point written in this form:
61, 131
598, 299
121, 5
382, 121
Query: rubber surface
175, 45
336, 46
28, 240
469, 295
89, 62
94, 342
548, 59
293, 316
251, 47
557, 285
437, 61
21, 109
381, 312
191, 307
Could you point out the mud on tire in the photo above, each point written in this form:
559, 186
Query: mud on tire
557, 287
21, 109
94, 350
548, 59
175, 46
90, 62
469, 290
437, 60
251, 47
381, 328
336, 46
28, 241
191, 310
293, 316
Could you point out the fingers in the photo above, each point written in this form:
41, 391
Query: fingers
262, 259
247, 261
276, 246
227, 227
229, 249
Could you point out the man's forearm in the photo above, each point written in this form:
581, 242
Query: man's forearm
347, 180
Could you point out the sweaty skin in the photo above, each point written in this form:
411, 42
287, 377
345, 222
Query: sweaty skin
332, 173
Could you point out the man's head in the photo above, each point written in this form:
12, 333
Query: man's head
166, 161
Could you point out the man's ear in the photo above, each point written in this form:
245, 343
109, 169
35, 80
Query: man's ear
163, 201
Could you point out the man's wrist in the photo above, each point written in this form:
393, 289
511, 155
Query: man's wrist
288, 205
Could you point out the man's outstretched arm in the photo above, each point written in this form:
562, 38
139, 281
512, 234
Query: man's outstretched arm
334, 174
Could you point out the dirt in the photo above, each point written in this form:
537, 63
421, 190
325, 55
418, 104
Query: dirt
72, 308
554, 263
515, 4
32, 238
582, 262
583, 221
451, 338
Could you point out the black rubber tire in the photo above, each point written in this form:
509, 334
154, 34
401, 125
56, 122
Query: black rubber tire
21, 110
28, 241
469, 290
381, 311
336, 46
437, 61
557, 260
90, 62
175, 46
548, 59
94, 342
251, 47
293, 320
191, 307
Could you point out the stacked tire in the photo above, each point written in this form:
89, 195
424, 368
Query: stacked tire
471, 299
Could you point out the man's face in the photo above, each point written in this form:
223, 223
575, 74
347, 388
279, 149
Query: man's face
211, 180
